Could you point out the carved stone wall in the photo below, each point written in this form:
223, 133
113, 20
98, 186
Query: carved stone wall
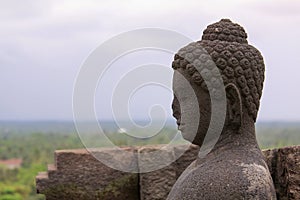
284, 165
76, 174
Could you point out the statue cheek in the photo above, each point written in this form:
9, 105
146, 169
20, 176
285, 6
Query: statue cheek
189, 121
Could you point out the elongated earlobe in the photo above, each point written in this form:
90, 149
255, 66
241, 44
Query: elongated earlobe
234, 106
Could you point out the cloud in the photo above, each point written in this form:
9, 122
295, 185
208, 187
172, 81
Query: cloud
43, 44
277, 8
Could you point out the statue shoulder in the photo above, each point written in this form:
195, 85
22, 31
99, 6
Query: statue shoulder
224, 180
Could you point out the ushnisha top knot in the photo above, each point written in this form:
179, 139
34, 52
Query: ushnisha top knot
225, 30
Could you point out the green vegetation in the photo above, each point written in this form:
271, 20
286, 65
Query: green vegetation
275, 135
36, 150
36, 146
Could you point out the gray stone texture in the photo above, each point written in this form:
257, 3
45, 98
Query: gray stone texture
78, 175
284, 165
153, 183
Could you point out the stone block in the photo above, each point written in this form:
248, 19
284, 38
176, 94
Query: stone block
77, 174
154, 185
284, 166
186, 155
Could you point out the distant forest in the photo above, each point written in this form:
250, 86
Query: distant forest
35, 142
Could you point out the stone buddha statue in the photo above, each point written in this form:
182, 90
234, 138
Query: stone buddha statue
235, 167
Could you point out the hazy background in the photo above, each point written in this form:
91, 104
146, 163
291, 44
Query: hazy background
43, 44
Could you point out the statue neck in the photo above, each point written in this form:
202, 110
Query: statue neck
243, 139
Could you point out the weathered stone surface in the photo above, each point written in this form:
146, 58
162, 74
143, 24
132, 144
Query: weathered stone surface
223, 76
185, 157
284, 165
154, 184
78, 175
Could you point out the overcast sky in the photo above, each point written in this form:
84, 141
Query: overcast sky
44, 43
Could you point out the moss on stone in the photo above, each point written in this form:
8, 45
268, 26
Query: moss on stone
125, 187
66, 191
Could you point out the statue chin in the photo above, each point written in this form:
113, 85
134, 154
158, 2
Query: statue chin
187, 133
187, 136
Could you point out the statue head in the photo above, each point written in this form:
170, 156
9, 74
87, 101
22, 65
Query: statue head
223, 51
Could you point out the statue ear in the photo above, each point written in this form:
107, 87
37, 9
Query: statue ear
234, 106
